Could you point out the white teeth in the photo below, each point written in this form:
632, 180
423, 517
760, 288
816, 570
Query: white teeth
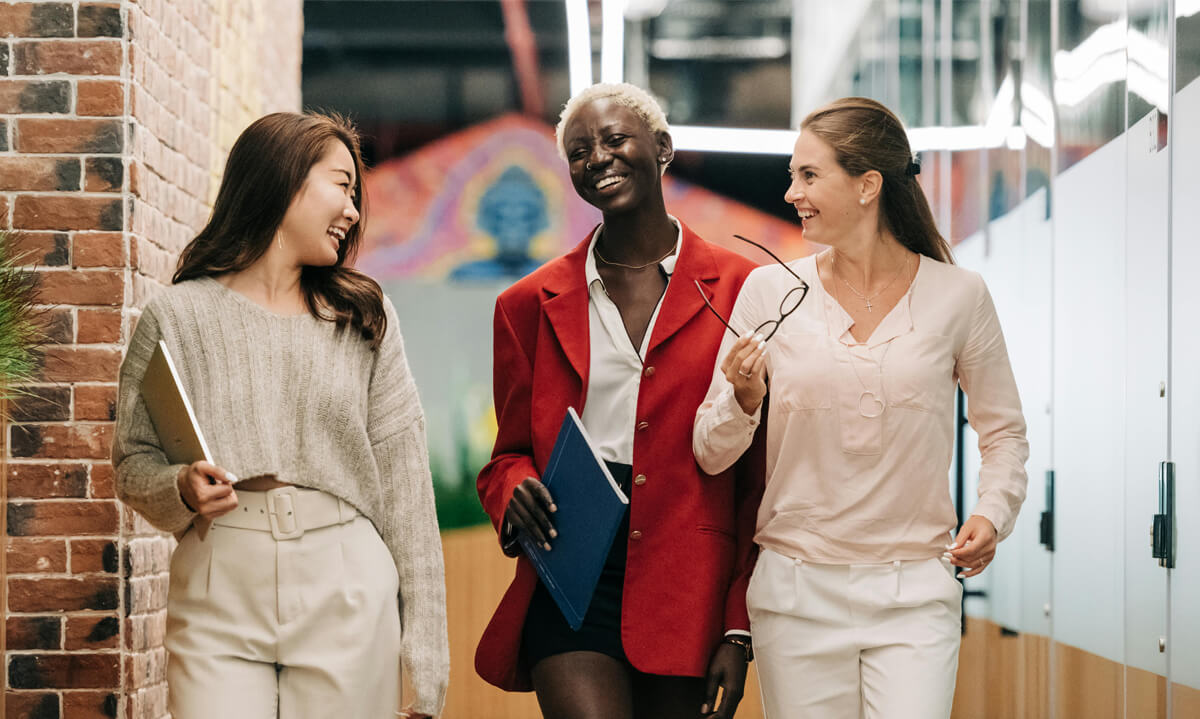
805, 214
337, 233
608, 181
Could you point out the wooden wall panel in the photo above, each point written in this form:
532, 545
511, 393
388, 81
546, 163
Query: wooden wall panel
1087, 685
1185, 702
1145, 694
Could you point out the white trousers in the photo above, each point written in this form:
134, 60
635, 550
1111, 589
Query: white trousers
303, 628
860, 641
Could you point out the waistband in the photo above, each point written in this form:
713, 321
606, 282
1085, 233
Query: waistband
287, 512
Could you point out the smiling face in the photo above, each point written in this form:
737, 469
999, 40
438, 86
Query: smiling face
614, 158
323, 211
826, 198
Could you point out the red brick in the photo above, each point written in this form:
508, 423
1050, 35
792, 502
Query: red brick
47, 481
31, 705
62, 518
37, 134
41, 404
99, 98
68, 212
52, 594
74, 57
99, 326
84, 287
96, 403
102, 483
3, 198
25, 19
39, 174
24, 633
146, 594
98, 249
36, 556
58, 441
34, 96
64, 671
103, 174
91, 705
81, 364
99, 20
57, 325
146, 669
52, 249
94, 555
93, 632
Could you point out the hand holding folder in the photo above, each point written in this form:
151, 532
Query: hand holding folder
178, 432
589, 508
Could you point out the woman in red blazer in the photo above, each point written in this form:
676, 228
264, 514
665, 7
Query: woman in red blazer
617, 328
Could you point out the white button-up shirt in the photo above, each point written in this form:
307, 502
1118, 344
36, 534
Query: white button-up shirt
861, 434
614, 364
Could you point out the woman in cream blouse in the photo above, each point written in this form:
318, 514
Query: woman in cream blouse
854, 605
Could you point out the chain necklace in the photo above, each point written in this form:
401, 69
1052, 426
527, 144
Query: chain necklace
865, 298
601, 257
877, 402
874, 401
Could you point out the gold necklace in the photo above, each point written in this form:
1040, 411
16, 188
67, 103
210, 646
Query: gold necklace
861, 296
601, 257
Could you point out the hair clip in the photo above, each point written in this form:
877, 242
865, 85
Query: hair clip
914, 168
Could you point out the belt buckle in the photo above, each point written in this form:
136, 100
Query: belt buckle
281, 513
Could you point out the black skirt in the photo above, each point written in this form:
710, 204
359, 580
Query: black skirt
546, 631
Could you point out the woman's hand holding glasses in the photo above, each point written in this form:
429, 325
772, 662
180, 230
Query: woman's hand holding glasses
746, 369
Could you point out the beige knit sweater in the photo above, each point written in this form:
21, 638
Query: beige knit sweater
294, 397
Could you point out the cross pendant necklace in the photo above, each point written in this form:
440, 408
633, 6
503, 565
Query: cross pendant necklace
866, 298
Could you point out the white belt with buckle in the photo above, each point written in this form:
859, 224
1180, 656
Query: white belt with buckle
287, 512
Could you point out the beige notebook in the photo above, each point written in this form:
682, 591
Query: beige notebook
178, 432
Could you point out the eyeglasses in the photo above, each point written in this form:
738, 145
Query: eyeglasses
789, 304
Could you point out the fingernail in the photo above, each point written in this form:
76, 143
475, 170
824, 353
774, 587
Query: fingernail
947, 555
553, 533
758, 337
747, 334
554, 508
703, 708
546, 546
951, 545
762, 345
962, 575
231, 478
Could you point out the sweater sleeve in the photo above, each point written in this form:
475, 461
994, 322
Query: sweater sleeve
146, 481
396, 430
994, 410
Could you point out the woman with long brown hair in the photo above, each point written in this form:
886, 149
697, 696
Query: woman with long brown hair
853, 602
298, 593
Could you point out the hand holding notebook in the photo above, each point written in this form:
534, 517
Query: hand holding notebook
588, 506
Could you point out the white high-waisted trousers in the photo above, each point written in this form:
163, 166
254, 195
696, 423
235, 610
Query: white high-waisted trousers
859, 641
301, 628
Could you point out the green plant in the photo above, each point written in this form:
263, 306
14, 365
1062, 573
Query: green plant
20, 332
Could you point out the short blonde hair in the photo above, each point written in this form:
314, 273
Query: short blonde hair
622, 93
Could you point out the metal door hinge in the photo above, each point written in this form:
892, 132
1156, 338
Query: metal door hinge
1046, 529
1163, 544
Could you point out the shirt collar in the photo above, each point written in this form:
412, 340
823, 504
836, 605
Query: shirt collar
592, 275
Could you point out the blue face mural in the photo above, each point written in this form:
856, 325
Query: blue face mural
513, 212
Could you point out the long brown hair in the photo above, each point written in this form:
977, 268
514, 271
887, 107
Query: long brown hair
865, 136
267, 166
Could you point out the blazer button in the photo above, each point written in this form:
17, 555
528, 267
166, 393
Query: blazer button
639, 480
635, 534
649, 372
642, 425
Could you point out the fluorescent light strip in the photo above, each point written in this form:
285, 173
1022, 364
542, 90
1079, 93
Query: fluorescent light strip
779, 142
612, 40
579, 45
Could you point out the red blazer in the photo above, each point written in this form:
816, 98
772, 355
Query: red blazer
686, 575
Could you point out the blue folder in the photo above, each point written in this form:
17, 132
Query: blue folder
590, 508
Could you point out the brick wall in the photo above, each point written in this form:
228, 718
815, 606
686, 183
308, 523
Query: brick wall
115, 118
